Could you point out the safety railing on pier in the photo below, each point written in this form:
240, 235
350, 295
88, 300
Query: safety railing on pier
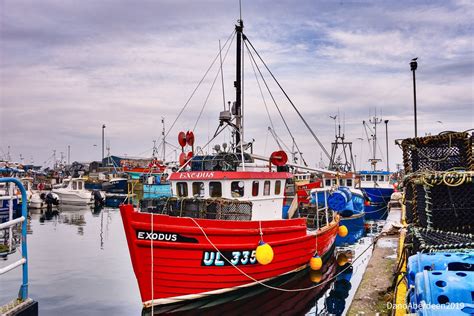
23, 293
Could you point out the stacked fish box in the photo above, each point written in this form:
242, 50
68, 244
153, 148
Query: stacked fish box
439, 211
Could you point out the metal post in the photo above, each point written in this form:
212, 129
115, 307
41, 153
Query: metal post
103, 131
238, 85
386, 142
10, 215
68, 154
413, 66
23, 293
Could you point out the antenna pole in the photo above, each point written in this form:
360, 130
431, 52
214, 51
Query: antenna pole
413, 66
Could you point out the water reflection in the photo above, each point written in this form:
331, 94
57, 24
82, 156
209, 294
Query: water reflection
260, 300
80, 265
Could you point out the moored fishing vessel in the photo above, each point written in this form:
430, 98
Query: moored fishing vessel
376, 183
225, 227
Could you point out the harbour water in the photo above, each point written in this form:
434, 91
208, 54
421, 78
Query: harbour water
80, 265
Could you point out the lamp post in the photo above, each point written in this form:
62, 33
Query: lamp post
103, 131
413, 66
386, 142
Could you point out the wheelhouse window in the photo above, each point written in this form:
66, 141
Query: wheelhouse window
182, 189
266, 188
277, 187
255, 186
74, 185
198, 189
341, 182
237, 188
79, 185
327, 182
334, 181
368, 177
349, 182
381, 178
215, 189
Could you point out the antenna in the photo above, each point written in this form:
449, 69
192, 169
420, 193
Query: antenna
164, 138
240, 9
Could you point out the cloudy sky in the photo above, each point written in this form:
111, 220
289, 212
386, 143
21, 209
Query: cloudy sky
67, 67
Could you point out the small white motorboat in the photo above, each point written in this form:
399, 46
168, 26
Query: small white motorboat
73, 192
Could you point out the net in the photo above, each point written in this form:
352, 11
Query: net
217, 208
438, 153
440, 202
420, 239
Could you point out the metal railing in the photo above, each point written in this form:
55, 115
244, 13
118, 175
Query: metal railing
23, 293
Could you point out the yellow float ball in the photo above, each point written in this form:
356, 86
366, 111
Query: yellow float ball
342, 259
342, 231
316, 262
264, 253
315, 276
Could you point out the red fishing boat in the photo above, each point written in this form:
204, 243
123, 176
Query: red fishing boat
226, 226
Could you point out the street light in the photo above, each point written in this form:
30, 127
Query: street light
386, 141
413, 66
103, 131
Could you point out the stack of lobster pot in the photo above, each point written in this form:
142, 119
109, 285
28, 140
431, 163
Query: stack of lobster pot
439, 211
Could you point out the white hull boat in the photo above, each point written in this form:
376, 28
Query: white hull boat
74, 193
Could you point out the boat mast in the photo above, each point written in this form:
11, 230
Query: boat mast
238, 87
375, 120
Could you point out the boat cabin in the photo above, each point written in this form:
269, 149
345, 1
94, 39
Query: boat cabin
348, 179
266, 190
75, 184
375, 179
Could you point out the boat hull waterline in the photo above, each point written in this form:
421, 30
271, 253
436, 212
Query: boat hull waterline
186, 266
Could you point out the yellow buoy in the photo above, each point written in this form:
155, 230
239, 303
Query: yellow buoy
264, 253
316, 262
315, 276
342, 259
342, 231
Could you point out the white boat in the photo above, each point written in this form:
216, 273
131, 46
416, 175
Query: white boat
74, 193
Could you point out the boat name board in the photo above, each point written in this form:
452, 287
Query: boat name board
196, 175
161, 236
238, 257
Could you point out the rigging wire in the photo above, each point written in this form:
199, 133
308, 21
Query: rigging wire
261, 92
368, 138
291, 102
197, 87
222, 74
275, 103
212, 86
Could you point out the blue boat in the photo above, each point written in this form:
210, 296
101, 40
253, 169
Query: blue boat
377, 188
349, 203
355, 227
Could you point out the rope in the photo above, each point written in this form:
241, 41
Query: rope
197, 87
212, 86
275, 103
261, 92
278, 288
291, 102
152, 267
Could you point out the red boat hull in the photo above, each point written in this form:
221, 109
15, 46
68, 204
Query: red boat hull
185, 265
